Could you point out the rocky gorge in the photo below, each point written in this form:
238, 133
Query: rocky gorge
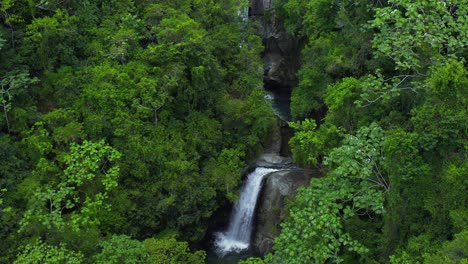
282, 178
281, 62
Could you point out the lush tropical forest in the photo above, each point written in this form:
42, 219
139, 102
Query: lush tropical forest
125, 125
386, 85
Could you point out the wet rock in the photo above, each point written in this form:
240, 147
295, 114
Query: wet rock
278, 187
275, 161
282, 50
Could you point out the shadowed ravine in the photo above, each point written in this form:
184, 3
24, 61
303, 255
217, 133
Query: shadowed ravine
231, 243
234, 240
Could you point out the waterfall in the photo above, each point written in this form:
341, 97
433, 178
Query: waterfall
237, 236
243, 13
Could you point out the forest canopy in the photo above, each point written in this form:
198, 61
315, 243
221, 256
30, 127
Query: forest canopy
125, 125
381, 110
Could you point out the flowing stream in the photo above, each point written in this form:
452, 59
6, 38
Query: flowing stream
280, 104
233, 244
237, 237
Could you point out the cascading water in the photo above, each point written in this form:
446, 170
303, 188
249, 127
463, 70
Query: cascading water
243, 13
237, 236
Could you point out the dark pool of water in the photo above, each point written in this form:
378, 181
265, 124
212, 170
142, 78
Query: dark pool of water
280, 102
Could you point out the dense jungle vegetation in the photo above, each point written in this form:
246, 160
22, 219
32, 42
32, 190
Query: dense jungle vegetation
124, 125
391, 77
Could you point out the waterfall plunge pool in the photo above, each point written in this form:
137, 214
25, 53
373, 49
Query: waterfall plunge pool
222, 245
233, 244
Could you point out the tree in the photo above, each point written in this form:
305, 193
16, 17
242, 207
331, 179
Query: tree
309, 143
2, 191
413, 39
454, 251
85, 185
171, 251
224, 172
121, 249
40, 252
354, 186
151, 98
13, 83
50, 41
174, 86
340, 99
2, 41
306, 98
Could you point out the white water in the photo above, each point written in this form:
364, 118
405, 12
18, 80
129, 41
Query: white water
237, 236
243, 12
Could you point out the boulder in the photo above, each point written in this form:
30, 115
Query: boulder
280, 137
274, 161
278, 187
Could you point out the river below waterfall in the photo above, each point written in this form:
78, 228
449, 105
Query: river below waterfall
231, 243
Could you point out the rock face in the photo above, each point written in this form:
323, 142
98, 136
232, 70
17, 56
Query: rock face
282, 50
260, 6
281, 58
279, 139
271, 208
273, 160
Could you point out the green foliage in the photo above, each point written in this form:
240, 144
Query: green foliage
454, 251
175, 87
355, 184
1, 199
414, 42
336, 47
49, 41
419, 250
252, 260
171, 251
434, 152
309, 17
341, 94
12, 84
40, 252
410, 37
309, 143
121, 249
414, 252
250, 121
306, 98
2, 41
361, 157
342, 100
314, 230
442, 122
224, 172
414, 84
87, 181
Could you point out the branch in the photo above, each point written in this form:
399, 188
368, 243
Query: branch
371, 101
382, 178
